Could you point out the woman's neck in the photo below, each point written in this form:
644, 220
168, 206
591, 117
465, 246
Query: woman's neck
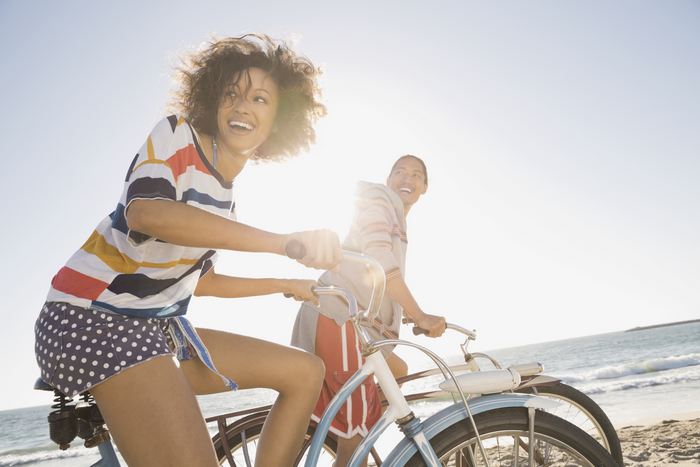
227, 163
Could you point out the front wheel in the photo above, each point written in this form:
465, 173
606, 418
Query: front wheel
505, 435
577, 408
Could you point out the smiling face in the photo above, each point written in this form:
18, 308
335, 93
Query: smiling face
247, 111
408, 180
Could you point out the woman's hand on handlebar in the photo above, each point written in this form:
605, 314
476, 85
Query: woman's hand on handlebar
318, 249
300, 290
434, 326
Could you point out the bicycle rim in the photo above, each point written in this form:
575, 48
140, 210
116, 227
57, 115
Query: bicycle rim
244, 445
506, 439
579, 409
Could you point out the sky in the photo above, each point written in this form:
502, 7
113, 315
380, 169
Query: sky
562, 141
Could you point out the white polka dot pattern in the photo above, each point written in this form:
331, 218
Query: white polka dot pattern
77, 348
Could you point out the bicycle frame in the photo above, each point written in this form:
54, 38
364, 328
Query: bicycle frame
417, 434
374, 364
398, 409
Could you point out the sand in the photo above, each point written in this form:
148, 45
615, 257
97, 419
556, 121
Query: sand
670, 442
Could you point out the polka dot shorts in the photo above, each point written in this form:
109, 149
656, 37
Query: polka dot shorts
77, 348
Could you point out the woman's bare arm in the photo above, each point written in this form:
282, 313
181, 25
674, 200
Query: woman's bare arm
220, 285
400, 293
186, 225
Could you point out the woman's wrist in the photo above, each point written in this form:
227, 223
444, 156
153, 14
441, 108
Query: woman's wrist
280, 244
416, 315
282, 286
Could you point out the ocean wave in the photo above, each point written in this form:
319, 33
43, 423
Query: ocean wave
635, 368
639, 383
31, 456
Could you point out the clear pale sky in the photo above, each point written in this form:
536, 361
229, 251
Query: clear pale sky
562, 141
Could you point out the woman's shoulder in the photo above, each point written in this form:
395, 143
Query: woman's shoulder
172, 124
377, 192
172, 131
367, 189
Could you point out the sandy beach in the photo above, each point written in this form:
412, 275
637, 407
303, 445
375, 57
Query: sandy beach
670, 442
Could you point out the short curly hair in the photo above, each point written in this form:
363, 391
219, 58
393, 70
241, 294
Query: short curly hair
204, 77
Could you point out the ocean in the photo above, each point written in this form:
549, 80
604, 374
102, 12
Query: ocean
637, 377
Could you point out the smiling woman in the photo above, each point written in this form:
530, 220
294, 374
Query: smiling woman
379, 230
114, 317
228, 72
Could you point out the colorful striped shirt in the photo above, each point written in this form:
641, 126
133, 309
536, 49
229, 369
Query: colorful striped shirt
128, 272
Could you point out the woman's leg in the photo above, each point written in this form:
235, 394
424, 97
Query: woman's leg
345, 449
398, 367
154, 417
254, 363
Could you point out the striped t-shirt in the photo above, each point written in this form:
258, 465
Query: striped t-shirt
128, 272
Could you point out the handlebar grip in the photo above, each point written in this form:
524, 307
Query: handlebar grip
295, 249
418, 331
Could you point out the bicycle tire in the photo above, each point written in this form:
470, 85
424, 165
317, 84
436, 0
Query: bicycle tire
251, 427
561, 442
581, 407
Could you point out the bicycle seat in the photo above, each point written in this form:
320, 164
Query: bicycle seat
41, 385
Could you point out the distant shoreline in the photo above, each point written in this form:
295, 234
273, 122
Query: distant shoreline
641, 328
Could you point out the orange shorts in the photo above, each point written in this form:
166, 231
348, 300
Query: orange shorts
339, 348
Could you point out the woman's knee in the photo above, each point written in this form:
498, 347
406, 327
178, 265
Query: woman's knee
315, 368
309, 371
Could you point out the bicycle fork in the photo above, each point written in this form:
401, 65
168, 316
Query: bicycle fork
398, 411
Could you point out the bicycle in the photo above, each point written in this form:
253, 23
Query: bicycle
235, 437
494, 426
234, 442
231, 440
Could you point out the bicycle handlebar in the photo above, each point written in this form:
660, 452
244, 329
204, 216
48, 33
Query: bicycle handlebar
470, 334
296, 250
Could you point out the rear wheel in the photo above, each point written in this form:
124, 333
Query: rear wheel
579, 409
505, 435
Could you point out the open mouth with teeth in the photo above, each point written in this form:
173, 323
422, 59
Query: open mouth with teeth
404, 189
240, 126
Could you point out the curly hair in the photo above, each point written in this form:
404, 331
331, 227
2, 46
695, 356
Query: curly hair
205, 76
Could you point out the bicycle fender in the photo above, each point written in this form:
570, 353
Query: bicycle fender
456, 412
540, 380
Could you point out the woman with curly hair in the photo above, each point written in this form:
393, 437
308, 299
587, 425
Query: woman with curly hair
113, 321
